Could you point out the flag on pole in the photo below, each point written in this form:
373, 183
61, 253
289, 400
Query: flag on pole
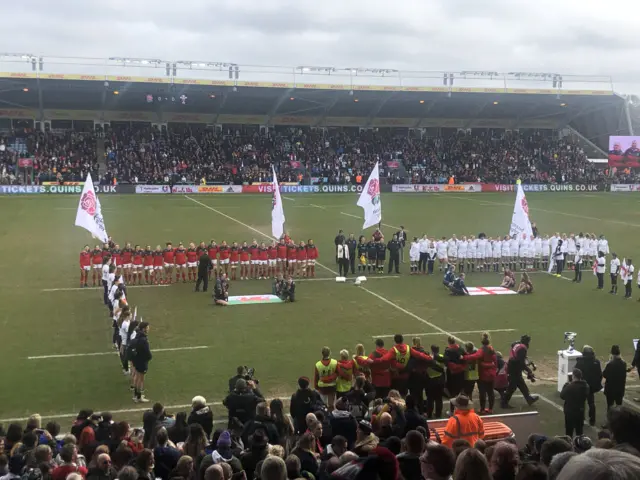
89, 215
520, 223
277, 212
370, 199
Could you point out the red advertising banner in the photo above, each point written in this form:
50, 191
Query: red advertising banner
25, 162
393, 164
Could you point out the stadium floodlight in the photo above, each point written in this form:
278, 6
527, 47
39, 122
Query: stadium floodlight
447, 79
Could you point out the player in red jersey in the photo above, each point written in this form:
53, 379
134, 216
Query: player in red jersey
181, 263
234, 258
312, 255
137, 265
272, 259
127, 258
224, 253
192, 261
253, 251
244, 261
302, 260
292, 257
168, 256
147, 257
282, 257
212, 250
263, 259
85, 266
96, 261
158, 263
116, 258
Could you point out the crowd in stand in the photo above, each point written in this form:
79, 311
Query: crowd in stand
189, 154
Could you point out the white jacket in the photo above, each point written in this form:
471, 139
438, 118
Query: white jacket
343, 251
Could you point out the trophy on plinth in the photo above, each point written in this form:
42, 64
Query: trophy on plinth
567, 359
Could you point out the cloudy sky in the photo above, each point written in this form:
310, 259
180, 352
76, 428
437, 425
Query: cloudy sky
588, 37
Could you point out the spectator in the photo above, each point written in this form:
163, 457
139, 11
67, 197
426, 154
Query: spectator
261, 421
459, 445
558, 462
242, 402
201, 414
552, 447
532, 471
366, 441
283, 423
437, 462
68, 455
196, 442
624, 424
471, 465
575, 395
413, 418
128, 473
303, 402
184, 469
165, 454
504, 461
122, 457
342, 422
222, 454
103, 469
597, 464
305, 452
273, 468
292, 464
145, 464
214, 472
591, 370
409, 460
256, 453
179, 432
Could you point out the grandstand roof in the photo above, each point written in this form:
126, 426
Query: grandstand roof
365, 101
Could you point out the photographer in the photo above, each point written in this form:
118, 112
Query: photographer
518, 364
221, 291
241, 373
242, 402
288, 290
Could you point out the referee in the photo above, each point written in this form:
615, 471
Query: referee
204, 266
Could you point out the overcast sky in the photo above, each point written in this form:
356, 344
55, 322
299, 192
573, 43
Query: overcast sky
562, 36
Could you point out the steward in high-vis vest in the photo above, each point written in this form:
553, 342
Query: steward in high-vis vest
363, 364
455, 367
464, 423
398, 359
435, 382
417, 369
325, 376
380, 373
471, 375
517, 365
487, 362
345, 370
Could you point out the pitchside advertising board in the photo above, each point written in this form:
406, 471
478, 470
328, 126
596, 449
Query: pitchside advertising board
438, 188
62, 189
565, 187
289, 189
625, 188
196, 189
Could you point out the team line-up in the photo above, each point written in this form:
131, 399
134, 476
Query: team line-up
255, 261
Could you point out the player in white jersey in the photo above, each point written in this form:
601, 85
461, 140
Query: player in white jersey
480, 252
462, 253
571, 251
593, 248
545, 252
506, 250
414, 255
530, 251
603, 245
514, 247
452, 250
488, 253
614, 271
472, 253
496, 253
537, 252
441, 252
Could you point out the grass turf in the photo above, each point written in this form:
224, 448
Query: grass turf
40, 247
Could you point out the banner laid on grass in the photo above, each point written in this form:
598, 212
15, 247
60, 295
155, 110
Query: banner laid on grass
89, 214
253, 299
476, 291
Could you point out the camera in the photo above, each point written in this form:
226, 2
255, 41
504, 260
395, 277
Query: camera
249, 375
570, 337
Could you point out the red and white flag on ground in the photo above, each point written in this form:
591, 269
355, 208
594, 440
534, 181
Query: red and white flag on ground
89, 215
624, 269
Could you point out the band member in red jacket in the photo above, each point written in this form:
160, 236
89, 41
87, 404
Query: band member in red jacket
487, 362
380, 374
398, 358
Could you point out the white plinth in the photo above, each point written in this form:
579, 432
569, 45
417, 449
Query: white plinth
566, 363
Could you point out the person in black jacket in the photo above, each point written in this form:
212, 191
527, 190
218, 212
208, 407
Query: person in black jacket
140, 358
615, 375
412, 416
339, 240
201, 414
263, 422
242, 402
591, 370
343, 422
575, 395
394, 248
304, 401
401, 236
351, 245
204, 266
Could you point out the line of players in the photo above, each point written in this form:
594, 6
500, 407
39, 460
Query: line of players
526, 252
254, 261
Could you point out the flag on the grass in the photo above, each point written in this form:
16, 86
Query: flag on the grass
520, 222
370, 199
89, 215
277, 212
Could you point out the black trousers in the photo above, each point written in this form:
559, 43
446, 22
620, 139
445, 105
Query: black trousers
430, 266
422, 262
203, 277
106, 292
435, 392
352, 261
614, 282
455, 384
516, 382
627, 289
486, 391
559, 266
468, 388
573, 422
600, 280
613, 397
343, 266
394, 260
578, 271
592, 407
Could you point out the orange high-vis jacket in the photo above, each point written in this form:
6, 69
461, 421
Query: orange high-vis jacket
451, 181
463, 424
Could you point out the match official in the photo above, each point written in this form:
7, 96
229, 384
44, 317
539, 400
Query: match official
402, 239
204, 267
351, 245
342, 255
339, 240
578, 264
394, 247
601, 267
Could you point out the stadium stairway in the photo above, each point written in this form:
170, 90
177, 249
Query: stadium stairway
100, 153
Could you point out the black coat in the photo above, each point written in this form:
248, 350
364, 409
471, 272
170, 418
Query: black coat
615, 374
345, 424
591, 370
303, 402
414, 420
308, 462
410, 466
204, 264
203, 417
242, 405
575, 396
266, 424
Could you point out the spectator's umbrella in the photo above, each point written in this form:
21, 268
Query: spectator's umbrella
89, 215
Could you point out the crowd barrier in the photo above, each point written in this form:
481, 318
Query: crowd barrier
291, 188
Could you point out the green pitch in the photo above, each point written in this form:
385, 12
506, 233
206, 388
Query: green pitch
49, 325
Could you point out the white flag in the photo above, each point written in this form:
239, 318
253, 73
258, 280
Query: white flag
277, 212
370, 199
520, 223
89, 214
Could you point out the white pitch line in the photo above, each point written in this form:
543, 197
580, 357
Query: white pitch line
71, 289
440, 333
317, 206
113, 352
381, 277
288, 198
356, 216
389, 302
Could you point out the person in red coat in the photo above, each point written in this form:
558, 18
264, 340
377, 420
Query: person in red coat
380, 374
487, 371
455, 367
